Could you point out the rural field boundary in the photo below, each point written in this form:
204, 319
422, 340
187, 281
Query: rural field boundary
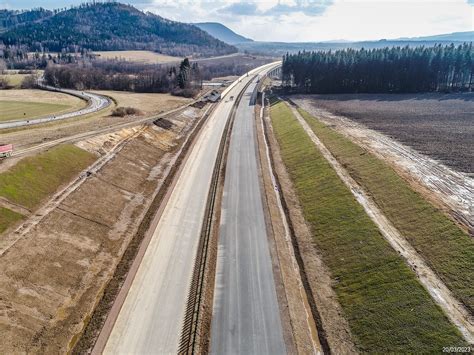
440, 293
380, 297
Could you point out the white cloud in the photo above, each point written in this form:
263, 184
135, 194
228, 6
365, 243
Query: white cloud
319, 20
392, 19
308, 20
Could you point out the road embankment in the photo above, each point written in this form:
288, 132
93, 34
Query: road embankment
423, 235
67, 252
364, 267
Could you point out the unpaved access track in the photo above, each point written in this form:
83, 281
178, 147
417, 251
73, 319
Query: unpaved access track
455, 311
30, 141
449, 188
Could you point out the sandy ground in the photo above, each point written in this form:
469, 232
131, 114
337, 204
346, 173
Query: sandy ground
61, 258
139, 56
446, 187
147, 103
455, 311
33, 95
332, 327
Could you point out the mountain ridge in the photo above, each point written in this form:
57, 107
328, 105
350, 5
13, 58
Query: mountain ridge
453, 36
222, 32
113, 26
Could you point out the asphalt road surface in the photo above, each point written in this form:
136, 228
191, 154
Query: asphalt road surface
151, 316
246, 318
95, 103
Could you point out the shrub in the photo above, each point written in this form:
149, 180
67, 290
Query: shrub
124, 111
29, 82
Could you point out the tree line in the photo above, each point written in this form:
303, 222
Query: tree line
385, 70
85, 73
183, 80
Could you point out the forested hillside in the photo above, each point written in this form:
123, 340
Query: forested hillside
420, 69
113, 26
12, 18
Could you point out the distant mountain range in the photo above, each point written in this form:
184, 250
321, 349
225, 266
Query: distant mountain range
281, 48
115, 26
222, 32
455, 36
106, 26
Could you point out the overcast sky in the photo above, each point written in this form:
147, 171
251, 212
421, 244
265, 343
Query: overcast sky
307, 20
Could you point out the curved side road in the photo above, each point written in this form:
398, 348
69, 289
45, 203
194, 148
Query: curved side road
151, 317
95, 103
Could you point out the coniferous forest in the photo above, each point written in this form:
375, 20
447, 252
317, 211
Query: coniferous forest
397, 69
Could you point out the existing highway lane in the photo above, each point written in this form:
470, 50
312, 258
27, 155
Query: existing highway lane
151, 316
246, 316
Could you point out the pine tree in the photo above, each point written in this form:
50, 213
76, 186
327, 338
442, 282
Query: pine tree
397, 69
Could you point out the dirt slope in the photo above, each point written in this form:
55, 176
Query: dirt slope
55, 272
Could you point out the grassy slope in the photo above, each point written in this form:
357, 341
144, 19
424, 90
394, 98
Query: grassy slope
8, 217
445, 247
387, 309
34, 178
13, 110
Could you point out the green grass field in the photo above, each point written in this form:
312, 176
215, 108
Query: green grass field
447, 249
33, 179
387, 308
16, 110
7, 218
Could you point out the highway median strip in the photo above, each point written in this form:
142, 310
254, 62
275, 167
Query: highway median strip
386, 307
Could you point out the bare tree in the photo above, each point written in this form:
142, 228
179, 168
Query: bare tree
3, 66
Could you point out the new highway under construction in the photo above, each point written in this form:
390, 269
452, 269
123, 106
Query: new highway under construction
151, 315
192, 233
